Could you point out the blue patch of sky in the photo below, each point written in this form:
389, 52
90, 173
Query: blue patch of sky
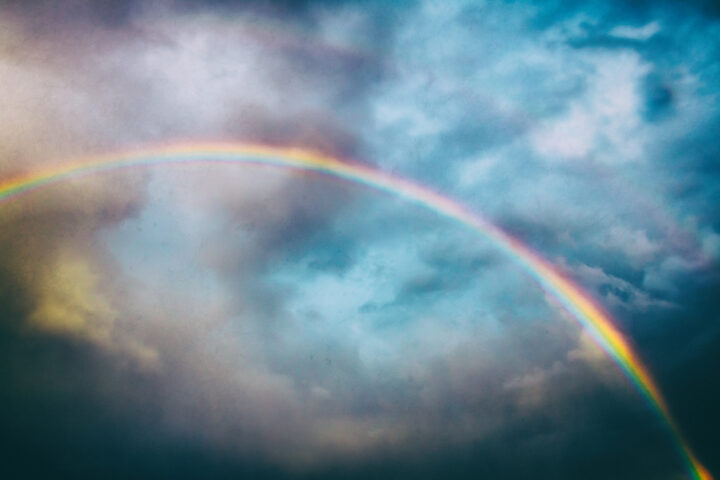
160, 247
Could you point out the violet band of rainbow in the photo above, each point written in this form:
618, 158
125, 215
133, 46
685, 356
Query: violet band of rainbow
569, 295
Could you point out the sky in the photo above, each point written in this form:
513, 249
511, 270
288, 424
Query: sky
239, 321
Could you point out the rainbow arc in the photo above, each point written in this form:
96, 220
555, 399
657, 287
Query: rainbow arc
570, 295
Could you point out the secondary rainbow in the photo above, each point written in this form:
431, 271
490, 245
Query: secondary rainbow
571, 296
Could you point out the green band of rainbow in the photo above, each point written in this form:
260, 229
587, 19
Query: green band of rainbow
569, 295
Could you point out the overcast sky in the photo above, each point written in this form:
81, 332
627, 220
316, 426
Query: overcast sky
228, 321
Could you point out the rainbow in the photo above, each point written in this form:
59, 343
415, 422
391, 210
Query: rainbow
571, 296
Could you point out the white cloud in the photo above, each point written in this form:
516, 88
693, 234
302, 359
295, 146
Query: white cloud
645, 32
573, 136
604, 123
634, 243
618, 292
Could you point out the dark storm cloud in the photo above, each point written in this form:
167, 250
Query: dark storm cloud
691, 333
71, 410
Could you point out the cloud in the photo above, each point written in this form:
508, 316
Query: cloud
605, 123
266, 323
636, 33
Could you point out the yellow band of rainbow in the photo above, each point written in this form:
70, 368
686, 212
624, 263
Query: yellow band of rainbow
568, 294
